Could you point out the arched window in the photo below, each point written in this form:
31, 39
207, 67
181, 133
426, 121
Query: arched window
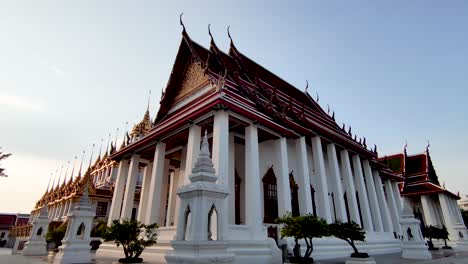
270, 197
187, 223
294, 195
39, 231
237, 188
81, 231
213, 224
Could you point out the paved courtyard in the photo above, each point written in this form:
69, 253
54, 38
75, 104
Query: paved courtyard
439, 257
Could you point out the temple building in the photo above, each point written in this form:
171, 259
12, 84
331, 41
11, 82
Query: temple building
273, 148
432, 203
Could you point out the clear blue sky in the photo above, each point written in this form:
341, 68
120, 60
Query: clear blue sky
73, 71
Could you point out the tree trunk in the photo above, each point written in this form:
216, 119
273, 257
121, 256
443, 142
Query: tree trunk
351, 243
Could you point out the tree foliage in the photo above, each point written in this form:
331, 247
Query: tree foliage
133, 236
3, 156
304, 227
56, 235
349, 232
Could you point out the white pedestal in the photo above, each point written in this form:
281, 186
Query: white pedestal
199, 252
76, 252
415, 250
360, 261
35, 248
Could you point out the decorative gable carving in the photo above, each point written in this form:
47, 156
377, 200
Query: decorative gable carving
194, 79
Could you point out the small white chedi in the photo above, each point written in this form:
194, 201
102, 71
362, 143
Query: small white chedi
75, 246
36, 245
203, 216
413, 245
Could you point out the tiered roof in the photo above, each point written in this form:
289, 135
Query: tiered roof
418, 171
244, 87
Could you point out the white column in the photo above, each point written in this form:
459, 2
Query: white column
154, 201
444, 205
383, 205
144, 194
428, 210
130, 188
362, 194
252, 184
284, 189
169, 202
395, 214
323, 203
349, 187
181, 181
174, 198
305, 198
372, 195
193, 148
220, 152
397, 195
337, 187
232, 176
458, 212
117, 197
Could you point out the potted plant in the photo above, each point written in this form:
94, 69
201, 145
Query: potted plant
430, 232
443, 234
304, 227
133, 236
349, 232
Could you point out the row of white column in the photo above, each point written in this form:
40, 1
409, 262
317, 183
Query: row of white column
379, 213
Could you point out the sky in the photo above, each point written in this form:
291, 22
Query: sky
71, 72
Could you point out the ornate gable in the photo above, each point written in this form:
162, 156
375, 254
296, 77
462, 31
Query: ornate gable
193, 80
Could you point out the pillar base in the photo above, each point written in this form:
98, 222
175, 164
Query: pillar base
415, 250
360, 261
74, 252
199, 252
35, 248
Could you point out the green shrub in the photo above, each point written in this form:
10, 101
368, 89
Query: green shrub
133, 236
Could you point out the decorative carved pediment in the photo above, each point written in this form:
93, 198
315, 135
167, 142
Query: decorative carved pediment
194, 79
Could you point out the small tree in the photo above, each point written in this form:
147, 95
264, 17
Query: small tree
2, 157
133, 236
304, 227
56, 235
349, 232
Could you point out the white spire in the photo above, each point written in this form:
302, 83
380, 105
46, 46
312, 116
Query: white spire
203, 170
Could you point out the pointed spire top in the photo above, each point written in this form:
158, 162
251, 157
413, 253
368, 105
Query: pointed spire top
53, 182
405, 147
81, 163
48, 184
91, 155
66, 173
149, 98
60, 176
229, 35
73, 170
428, 145
181, 22
209, 33
328, 109
100, 149
317, 98
307, 86
203, 170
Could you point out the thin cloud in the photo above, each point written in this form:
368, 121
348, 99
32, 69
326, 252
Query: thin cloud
21, 103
